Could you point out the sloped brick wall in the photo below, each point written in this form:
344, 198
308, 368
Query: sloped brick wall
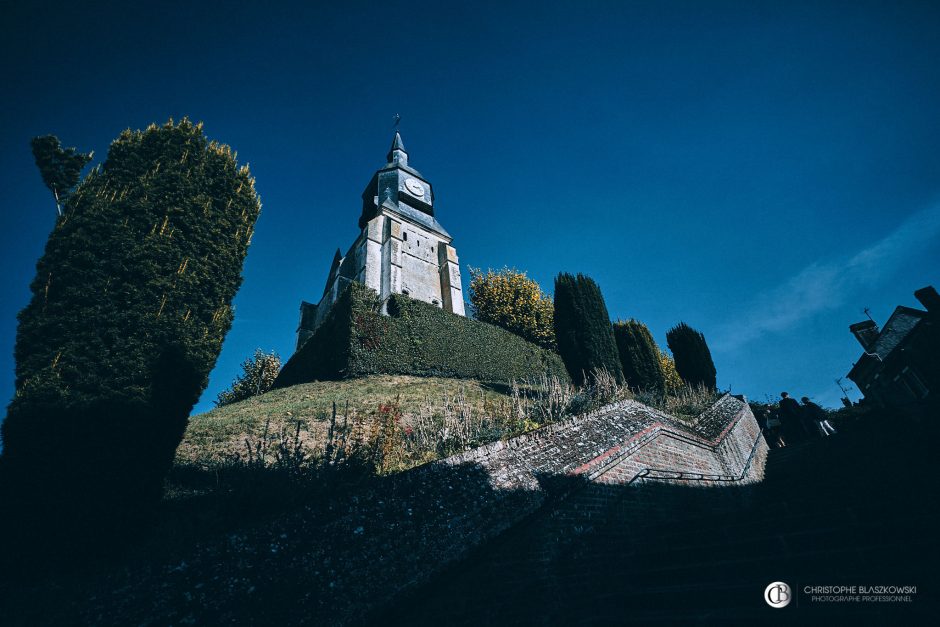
396, 536
554, 483
596, 508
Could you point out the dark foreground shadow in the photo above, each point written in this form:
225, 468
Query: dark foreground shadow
357, 549
859, 510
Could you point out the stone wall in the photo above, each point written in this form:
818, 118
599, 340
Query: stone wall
551, 479
381, 552
604, 507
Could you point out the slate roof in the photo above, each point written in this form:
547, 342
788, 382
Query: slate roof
898, 326
421, 218
397, 144
401, 166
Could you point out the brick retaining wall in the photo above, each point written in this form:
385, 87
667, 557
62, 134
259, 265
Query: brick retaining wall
564, 471
397, 534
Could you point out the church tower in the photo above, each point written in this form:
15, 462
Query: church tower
401, 248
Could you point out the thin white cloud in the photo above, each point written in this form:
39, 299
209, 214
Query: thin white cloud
823, 286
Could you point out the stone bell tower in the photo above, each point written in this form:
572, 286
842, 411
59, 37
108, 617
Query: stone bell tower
401, 248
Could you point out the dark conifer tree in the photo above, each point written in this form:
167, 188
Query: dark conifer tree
639, 356
59, 167
693, 359
130, 304
582, 327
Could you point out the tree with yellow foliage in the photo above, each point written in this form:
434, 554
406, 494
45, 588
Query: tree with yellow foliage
511, 300
672, 379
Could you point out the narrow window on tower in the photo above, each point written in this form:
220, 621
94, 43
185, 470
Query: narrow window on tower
404, 236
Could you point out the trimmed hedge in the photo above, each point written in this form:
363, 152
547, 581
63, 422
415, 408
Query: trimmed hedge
130, 305
416, 338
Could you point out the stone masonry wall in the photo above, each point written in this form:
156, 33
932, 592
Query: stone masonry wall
593, 516
550, 473
399, 534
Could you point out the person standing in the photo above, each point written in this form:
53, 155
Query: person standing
773, 429
791, 414
819, 416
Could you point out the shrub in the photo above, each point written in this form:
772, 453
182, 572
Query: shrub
511, 300
130, 304
639, 356
685, 402
416, 338
582, 328
257, 377
693, 359
671, 379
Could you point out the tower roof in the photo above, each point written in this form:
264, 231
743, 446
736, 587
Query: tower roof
395, 182
397, 147
418, 217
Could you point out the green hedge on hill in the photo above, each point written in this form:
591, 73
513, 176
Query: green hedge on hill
416, 338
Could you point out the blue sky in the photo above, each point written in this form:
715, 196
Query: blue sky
761, 171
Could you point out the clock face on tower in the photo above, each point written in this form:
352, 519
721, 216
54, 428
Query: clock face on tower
414, 187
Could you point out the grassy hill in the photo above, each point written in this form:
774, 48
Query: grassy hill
218, 436
426, 417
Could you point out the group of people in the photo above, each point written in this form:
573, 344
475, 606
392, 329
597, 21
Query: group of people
792, 422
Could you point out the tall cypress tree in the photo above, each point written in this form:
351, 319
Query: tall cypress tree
582, 328
130, 304
693, 359
639, 356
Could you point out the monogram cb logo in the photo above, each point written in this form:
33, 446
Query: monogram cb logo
778, 594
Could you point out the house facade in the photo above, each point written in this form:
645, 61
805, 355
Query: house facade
899, 363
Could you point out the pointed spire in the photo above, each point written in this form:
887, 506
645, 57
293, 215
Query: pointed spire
334, 270
397, 153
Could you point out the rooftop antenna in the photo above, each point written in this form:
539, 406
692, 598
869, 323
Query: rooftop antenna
867, 312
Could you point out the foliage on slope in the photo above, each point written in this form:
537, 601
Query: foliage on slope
416, 338
511, 300
130, 305
693, 359
582, 328
639, 356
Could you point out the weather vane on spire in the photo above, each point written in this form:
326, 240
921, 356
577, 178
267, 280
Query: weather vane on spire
397, 121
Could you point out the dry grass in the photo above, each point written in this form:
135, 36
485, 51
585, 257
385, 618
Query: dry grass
218, 435
685, 403
391, 423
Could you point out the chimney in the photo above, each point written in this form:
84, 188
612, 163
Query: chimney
865, 332
929, 298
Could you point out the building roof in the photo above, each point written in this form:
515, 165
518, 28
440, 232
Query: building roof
898, 326
421, 218
397, 144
